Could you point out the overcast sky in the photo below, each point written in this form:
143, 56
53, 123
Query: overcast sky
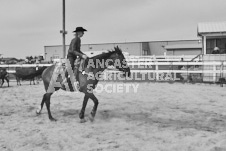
28, 25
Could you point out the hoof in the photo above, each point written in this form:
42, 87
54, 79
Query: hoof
53, 119
38, 112
91, 118
83, 120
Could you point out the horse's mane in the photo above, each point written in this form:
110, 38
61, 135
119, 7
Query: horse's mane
103, 55
107, 54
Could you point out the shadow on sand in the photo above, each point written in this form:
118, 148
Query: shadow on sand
213, 124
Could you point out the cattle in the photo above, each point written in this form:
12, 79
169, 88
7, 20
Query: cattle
3, 76
28, 73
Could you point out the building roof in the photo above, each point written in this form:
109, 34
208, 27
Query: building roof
211, 27
8, 59
183, 46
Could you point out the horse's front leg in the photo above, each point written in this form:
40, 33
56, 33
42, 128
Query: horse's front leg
96, 102
7, 80
81, 115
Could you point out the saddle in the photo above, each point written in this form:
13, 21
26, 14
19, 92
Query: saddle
66, 77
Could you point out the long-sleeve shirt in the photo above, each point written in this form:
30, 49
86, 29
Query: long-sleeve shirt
74, 48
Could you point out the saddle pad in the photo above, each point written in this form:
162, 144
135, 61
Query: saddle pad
68, 84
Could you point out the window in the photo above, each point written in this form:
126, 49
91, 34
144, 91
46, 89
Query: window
221, 44
210, 44
144, 52
216, 42
56, 57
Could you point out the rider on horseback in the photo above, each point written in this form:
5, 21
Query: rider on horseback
74, 49
75, 54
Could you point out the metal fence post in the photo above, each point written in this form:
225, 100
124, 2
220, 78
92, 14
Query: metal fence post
221, 73
214, 73
156, 72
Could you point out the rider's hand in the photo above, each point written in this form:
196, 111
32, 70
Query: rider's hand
84, 56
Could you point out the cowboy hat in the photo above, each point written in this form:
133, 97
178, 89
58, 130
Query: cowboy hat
79, 29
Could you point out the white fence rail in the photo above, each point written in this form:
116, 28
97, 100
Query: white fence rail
21, 65
140, 63
148, 66
155, 64
24, 65
163, 58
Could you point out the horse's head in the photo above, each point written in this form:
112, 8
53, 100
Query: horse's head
119, 61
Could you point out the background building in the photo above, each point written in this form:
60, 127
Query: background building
176, 47
213, 34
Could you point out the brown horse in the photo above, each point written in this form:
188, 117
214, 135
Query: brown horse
86, 84
3, 76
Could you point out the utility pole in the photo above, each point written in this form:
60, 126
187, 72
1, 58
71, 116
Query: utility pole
63, 31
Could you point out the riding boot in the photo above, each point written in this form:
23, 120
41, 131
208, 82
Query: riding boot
82, 66
65, 78
76, 83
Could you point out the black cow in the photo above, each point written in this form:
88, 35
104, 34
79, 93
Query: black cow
28, 73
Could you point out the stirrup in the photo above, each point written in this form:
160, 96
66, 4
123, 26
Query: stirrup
76, 84
64, 81
83, 72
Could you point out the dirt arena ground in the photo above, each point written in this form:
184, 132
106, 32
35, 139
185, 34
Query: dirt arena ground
159, 117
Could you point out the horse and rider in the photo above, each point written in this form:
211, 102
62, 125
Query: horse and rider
80, 74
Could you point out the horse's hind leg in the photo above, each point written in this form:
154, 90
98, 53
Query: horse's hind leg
2, 82
41, 106
47, 101
81, 115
